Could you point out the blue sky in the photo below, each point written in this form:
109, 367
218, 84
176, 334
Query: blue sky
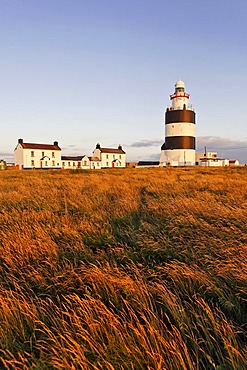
88, 71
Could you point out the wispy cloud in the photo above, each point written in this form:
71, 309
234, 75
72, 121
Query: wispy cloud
6, 154
212, 143
154, 157
220, 143
9, 157
145, 143
70, 147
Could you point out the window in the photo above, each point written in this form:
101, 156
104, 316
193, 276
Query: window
43, 154
107, 156
32, 153
113, 156
97, 164
63, 164
69, 164
32, 162
85, 163
73, 164
119, 156
53, 154
53, 163
46, 163
107, 164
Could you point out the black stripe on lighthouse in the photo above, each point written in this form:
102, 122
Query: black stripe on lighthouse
183, 115
179, 142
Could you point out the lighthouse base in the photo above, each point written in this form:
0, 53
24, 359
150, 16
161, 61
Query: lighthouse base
177, 157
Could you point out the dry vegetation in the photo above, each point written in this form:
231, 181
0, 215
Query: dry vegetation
131, 269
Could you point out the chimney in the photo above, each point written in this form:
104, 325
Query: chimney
55, 143
20, 141
120, 147
98, 146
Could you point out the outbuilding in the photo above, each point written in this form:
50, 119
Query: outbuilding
75, 162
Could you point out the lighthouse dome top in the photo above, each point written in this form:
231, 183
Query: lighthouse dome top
180, 83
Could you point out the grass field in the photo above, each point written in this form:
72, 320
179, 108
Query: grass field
123, 269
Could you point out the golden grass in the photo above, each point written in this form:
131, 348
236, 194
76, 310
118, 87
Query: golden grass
123, 269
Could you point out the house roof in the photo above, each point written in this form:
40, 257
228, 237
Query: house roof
111, 150
233, 160
148, 163
40, 146
94, 159
73, 158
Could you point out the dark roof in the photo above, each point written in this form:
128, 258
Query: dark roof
232, 160
148, 163
94, 159
40, 146
111, 150
72, 158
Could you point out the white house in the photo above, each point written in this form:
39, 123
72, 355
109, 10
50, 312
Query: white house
32, 155
74, 162
210, 159
110, 157
95, 163
233, 162
48, 156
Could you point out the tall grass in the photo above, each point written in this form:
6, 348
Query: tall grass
123, 269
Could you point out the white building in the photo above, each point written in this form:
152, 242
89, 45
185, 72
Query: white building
180, 130
75, 162
110, 157
95, 163
80, 162
210, 159
43, 156
233, 162
48, 156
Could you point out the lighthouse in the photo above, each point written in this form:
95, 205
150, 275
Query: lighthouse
180, 130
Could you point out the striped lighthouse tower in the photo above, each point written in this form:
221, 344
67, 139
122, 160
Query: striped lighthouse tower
180, 130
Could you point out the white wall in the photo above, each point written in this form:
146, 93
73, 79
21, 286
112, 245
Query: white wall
18, 156
178, 157
31, 158
74, 164
180, 129
95, 165
178, 103
108, 158
212, 163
